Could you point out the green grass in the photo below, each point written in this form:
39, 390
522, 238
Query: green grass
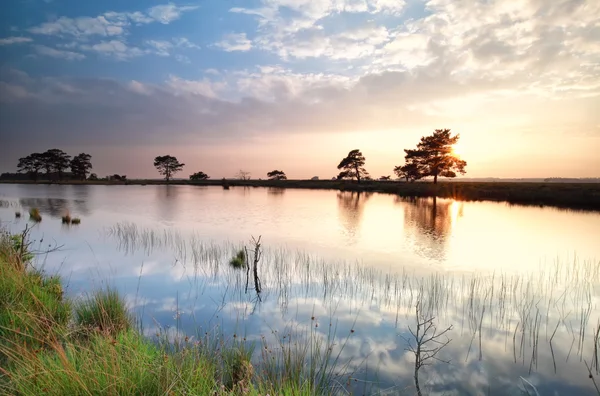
104, 311
34, 214
43, 352
239, 260
33, 311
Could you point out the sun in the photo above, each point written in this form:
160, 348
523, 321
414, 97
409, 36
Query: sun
457, 150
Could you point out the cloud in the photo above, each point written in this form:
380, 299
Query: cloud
204, 87
315, 42
167, 13
15, 40
235, 42
161, 47
114, 48
110, 23
184, 43
54, 53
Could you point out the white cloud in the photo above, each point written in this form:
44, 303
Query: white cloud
115, 48
82, 26
54, 53
387, 6
15, 40
184, 43
204, 87
161, 47
167, 13
110, 23
235, 42
138, 87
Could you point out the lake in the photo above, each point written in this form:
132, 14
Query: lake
517, 288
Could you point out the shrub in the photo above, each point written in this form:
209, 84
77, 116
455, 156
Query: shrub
239, 260
34, 214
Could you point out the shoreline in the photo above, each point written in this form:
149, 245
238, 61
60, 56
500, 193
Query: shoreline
581, 196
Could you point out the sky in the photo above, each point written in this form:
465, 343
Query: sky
296, 84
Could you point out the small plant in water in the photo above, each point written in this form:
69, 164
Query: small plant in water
75, 220
34, 214
18, 215
239, 260
66, 219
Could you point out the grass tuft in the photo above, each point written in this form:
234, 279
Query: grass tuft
103, 311
18, 215
34, 214
76, 220
66, 219
239, 260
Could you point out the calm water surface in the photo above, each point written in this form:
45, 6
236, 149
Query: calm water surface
520, 286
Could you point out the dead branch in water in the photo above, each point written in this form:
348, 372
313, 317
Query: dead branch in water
427, 342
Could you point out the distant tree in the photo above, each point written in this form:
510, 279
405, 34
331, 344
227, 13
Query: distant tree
243, 175
117, 177
434, 156
81, 165
385, 178
93, 176
277, 175
56, 160
167, 166
409, 171
353, 166
199, 176
31, 165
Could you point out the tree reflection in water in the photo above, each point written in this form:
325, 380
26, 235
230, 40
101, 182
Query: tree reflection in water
429, 222
351, 205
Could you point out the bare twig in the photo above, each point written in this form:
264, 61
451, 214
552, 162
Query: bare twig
426, 334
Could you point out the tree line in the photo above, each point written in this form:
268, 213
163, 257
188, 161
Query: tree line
432, 157
54, 163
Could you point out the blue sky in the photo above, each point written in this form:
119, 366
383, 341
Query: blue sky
296, 84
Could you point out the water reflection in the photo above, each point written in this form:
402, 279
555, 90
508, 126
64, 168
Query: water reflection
167, 198
351, 205
82, 196
275, 191
55, 207
538, 326
431, 221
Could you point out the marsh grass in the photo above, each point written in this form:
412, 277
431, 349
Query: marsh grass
75, 220
104, 311
34, 215
18, 215
33, 311
239, 260
66, 219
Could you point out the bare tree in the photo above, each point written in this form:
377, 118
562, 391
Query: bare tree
257, 254
243, 175
428, 342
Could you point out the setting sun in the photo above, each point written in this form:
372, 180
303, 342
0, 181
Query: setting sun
457, 150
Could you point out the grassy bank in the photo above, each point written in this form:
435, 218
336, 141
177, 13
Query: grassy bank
565, 195
54, 346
